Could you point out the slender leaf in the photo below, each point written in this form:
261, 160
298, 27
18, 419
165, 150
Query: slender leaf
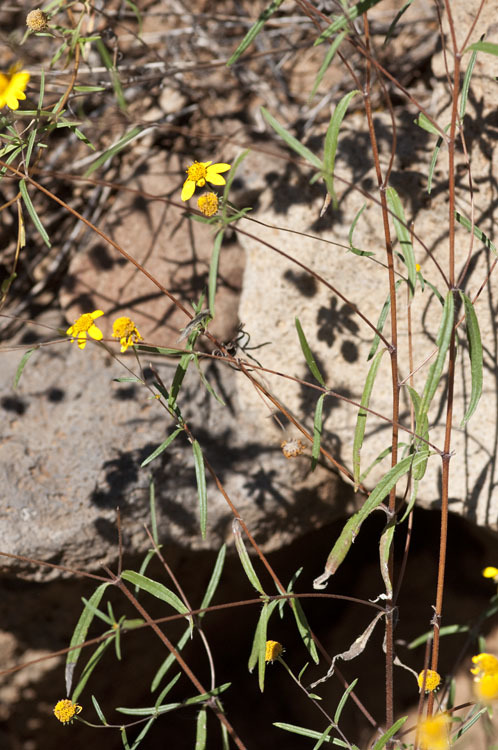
395, 20
292, 142
167, 689
475, 353
99, 711
317, 431
200, 476
423, 122
443, 341
178, 377
156, 589
109, 64
206, 382
382, 742
471, 721
114, 149
445, 630
466, 84
353, 525
23, 189
80, 633
161, 448
304, 628
331, 140
381, 322
352, 14
89, 667
325, 733
254, 30
352, 248
201, 730
22, 364
403, 235
294, 729
327, 61
169, 661
343, 700
166, 708
310, 360
477, 232
142, 734
489, 47
214, 580
245, 559
361, 420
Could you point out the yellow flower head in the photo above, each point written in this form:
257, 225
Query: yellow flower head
126, 331
208, 204
201, 172
486, 688
12, 87
292, 448
65, 710
486, 665
84, 325
417, 267
432, 680
36, 20
273, 650
490, 572
433, 732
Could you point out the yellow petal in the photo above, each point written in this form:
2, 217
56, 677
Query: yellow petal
217, 168
216, 179
188, 190
96, 314
95, 332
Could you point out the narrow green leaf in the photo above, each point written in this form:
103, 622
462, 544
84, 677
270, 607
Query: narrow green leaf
445, 630
489, 47
470, 722
80, 633
292, 142
109, 64
99, 711
166, 708
381, 322
23, 189
443, 341
403, 235
353, 525
477, 232
245, 559
178, 377
317, 431
254, 30
432, 165
143, 733
343, 700
89, 667
214, 580
206, 382
325, 733
331, 140
167, 689
353, 13
304, 628
200, 476
327, 61
201, 730
114, 149
161, 448
294, 729
169, 661
361, 420
156, 589
423, 122
138, 15
27, 354
310, 360
352, 248
466, 84
382, 742
475, 353
395, 20
213, 270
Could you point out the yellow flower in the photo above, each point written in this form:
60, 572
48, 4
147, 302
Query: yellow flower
201, 172
84, 325
417, 267
208, 204
292, 448
432, 680
486, 687
36, 20
273, 650
12, 87
433, 732
126, 331
65, 710
486, 665
490, 572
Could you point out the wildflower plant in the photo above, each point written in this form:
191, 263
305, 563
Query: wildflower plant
39, 110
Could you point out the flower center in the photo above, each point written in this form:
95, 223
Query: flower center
197, 173
123, 327
208, 204
84, 323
